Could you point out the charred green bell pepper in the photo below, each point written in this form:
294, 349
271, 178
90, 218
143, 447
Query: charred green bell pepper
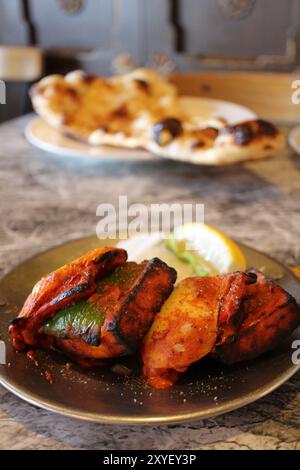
85, 319
82, 319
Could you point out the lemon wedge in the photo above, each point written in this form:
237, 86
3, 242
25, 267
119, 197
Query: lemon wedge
207, 249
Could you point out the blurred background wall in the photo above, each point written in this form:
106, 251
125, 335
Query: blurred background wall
192, 35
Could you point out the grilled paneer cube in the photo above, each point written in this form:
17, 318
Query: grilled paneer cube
111, 318
233, 317
70, 283
269, 314
186, 328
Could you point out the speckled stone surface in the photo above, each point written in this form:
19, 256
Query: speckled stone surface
46, 199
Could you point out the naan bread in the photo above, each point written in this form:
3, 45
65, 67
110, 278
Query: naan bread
141, 109
113, 111
248, 140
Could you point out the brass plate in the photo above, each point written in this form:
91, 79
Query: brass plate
206, 390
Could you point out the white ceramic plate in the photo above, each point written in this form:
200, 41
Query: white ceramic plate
44, 137
208, 108
294, 139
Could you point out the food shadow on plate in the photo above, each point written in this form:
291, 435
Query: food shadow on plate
207, 376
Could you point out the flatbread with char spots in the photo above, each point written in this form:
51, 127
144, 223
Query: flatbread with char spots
141, 109
248, 140
113, 111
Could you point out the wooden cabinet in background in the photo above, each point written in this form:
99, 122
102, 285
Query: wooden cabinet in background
93, 32
196, 34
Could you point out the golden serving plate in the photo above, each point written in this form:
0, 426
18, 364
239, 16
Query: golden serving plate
101, 395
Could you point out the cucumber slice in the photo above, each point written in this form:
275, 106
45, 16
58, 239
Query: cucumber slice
178, 248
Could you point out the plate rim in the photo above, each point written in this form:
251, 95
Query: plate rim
292, 139
73, 153
252, 113
150, 420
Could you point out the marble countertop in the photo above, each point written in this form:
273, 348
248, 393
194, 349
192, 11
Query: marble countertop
46, 199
